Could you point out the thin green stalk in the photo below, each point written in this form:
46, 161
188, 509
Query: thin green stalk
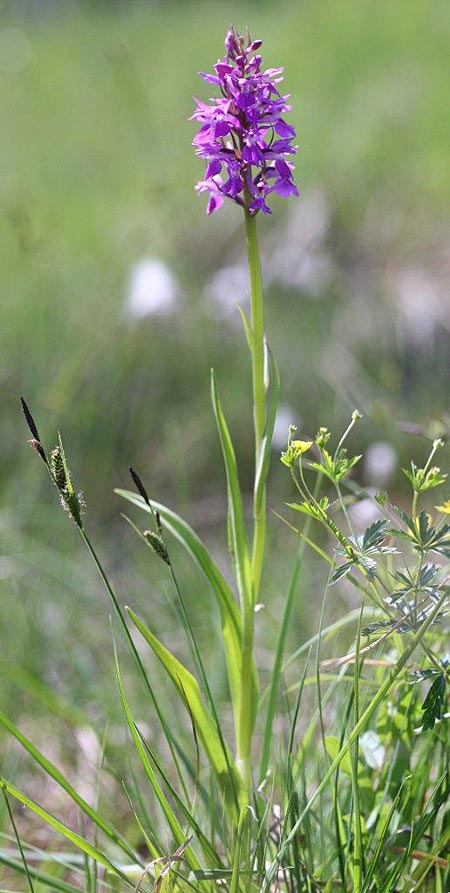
19, 842
49, 880
357, 868
245, 728
414, 505
134, 651
259, 395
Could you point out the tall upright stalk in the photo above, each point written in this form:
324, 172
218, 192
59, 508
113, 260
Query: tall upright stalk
259, 504
259, 396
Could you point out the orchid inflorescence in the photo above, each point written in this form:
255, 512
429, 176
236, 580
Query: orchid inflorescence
243, 133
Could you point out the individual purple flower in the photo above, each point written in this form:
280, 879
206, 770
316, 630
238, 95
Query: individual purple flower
243, 136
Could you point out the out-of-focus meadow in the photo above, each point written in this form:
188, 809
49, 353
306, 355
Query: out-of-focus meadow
119, 294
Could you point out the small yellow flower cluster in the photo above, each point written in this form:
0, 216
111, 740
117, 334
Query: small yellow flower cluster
295, 450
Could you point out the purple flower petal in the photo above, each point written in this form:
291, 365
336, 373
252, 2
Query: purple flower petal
284, 129
221, 128
215, 201
258, 204
214, 167
222, 69
211, 78
285, 188
283, 169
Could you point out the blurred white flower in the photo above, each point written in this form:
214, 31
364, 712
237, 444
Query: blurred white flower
373, 749
153, 289
285, 417
363, 513
420, 307
228, 287
380, 462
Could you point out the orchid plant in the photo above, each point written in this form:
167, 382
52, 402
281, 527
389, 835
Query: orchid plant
263, 814
245, 133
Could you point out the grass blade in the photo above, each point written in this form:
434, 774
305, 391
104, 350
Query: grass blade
188, 689
235, 507
48, 880
19, 843
266, 443
229, 612
170, 816
72, 836
57, 776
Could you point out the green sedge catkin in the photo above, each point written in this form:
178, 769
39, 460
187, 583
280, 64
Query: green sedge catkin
57, 469
156, 543
70, 499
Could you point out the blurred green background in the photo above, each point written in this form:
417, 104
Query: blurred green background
119, 294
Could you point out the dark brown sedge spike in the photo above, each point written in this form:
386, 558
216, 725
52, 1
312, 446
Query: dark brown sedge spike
29, 419
35, 442
139, 486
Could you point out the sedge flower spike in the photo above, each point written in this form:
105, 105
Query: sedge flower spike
243, 137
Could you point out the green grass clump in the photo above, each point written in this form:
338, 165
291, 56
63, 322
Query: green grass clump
347, 781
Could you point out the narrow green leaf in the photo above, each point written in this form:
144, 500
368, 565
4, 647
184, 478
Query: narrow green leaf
19, 842
266, 443
247, 327
172, 820
341, 571
203, 840
72, 836
383, 836
236, 510
187, 687
229, 612
54, 773
240, 852
48, 880
277, 672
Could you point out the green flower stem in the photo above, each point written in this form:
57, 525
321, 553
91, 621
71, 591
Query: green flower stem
256, 342
259, 394
414, 505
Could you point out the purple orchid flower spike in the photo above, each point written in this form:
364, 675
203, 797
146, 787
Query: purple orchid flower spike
243, 137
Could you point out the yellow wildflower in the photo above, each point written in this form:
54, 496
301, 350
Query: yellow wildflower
301, 446
445, 508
